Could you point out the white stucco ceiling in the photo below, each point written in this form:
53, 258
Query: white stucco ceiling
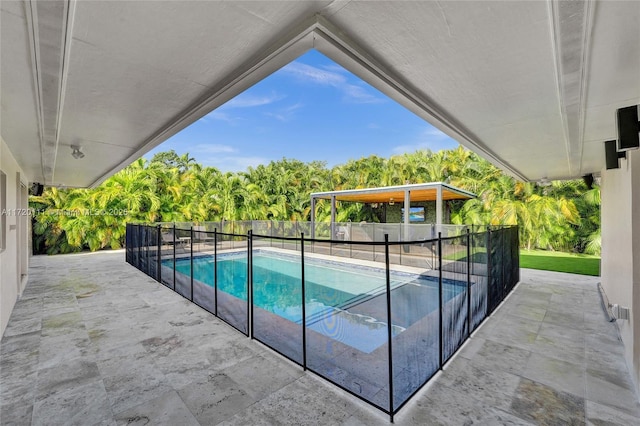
532, 86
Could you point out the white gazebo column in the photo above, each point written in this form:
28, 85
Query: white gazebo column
438, 208
333, 217
407, 215
313, 217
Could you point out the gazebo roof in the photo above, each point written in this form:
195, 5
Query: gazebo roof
417, 192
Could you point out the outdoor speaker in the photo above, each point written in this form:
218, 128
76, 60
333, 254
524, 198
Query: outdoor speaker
612, 155
588, 180
628, 128
37, 189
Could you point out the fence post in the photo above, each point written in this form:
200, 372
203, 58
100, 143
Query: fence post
191, 260
126, 243
373, 232
139, 246
250, 284
517, 249
389, 325
350, 240
401, 237
215, 271
490, 286
304, 303
330, 241
440, 325
145, 235
468, 283
502, 265
143, 251
159, 240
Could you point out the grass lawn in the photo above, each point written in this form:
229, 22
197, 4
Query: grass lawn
560, 262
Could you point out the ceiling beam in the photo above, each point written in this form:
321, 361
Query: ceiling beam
571, 28
49, 26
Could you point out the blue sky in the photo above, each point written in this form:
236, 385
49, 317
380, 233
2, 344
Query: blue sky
311, 109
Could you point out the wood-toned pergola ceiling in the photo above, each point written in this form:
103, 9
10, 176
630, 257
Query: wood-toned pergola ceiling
382, 195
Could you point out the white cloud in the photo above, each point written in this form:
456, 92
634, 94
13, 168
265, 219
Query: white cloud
244, 100
433, 133
332, 76
212, 148
335, 68
285, 114
223, 157
242, 163
219, 115
430, 138
315, 75
401, 149
232, 163
358, 95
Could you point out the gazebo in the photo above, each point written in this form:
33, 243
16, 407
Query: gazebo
433, 191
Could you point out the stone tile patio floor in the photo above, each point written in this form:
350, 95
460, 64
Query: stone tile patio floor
94, 341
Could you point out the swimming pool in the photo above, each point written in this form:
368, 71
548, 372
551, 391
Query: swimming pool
336, 293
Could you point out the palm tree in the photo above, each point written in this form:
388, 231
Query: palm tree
49, 235
564, 215
133, 189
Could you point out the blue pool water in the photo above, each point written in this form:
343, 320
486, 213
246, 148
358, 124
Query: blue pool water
343, 301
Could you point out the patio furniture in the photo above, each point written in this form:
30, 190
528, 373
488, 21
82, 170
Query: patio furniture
201, 236
169, 240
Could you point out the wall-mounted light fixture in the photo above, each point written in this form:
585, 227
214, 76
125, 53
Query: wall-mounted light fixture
544, 182
76, 153
36, 189
391, 202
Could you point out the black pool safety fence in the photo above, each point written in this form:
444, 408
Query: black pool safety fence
376, 318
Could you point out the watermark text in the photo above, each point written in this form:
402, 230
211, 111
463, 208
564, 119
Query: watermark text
64, 212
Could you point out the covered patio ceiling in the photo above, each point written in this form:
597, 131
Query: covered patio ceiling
532, 86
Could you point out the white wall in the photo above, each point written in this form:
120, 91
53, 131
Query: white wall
620, 247
15, 256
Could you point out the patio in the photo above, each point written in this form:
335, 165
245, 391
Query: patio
95, 341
